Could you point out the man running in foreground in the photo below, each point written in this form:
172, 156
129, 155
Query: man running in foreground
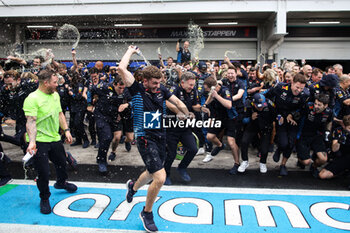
149, 106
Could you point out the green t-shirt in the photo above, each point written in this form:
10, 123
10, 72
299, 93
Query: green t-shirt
46, 108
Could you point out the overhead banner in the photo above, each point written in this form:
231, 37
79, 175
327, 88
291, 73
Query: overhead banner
145, 33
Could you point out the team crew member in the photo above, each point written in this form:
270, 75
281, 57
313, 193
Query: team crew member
218, 103
254, 84
183, 54
44, 117
237, 88
340, 145
326, 86
124, 120
92, 81
342, 94
289, 99
187, 93
15, 92
316, 125
63, 90
148, 102
260, 113
78, 109
107, 102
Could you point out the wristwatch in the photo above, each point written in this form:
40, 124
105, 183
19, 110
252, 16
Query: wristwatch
66, 130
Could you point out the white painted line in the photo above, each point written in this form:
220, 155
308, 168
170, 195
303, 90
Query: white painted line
202, 189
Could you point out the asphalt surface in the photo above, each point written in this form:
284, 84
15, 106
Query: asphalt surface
301, 179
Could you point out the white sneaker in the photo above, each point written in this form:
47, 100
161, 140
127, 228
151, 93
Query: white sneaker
263, 168
201, 151
243, 166
208, 158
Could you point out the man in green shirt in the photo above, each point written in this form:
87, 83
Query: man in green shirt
44, 117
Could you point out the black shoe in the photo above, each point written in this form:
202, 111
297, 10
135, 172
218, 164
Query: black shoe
130, 191
234, 170
86, 144
122, 139
97, 145
314, 171
276, 156
102, 167
283, 170
112, 156
69, 187
71, 161
4, 158
300, 165
76, 143
5, 180
147, 220
217, 149
45, 207
208, 147
93, 142
183, 174
128, 146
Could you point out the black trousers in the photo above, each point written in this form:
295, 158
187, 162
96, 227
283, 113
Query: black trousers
105, 131
19, 136
264, 141
3, 171
55, 152
92, 130
78, 124
187, 140
286, 138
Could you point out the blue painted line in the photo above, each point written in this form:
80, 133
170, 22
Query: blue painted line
21, 206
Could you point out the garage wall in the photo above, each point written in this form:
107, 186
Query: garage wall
317, 50
114, 51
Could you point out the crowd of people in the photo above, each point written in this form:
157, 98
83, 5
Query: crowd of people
278, 109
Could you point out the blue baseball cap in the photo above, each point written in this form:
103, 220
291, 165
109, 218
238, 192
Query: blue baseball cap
259, 100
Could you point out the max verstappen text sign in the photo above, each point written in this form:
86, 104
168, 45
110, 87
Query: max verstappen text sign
190, 210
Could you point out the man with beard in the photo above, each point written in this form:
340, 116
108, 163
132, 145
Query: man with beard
289, 99
44, 118
316, 124
148, 106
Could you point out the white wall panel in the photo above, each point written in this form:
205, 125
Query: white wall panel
315, 50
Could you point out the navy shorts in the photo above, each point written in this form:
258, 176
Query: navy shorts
153, 152
305, 144
125, 125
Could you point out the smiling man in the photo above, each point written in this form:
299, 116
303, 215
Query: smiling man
148, 104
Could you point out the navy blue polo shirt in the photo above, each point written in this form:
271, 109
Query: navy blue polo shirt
149, 109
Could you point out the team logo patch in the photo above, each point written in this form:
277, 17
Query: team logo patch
285, 88
152, 120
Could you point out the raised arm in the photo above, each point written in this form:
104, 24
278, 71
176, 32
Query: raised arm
17, 59
74, 59
126, 75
